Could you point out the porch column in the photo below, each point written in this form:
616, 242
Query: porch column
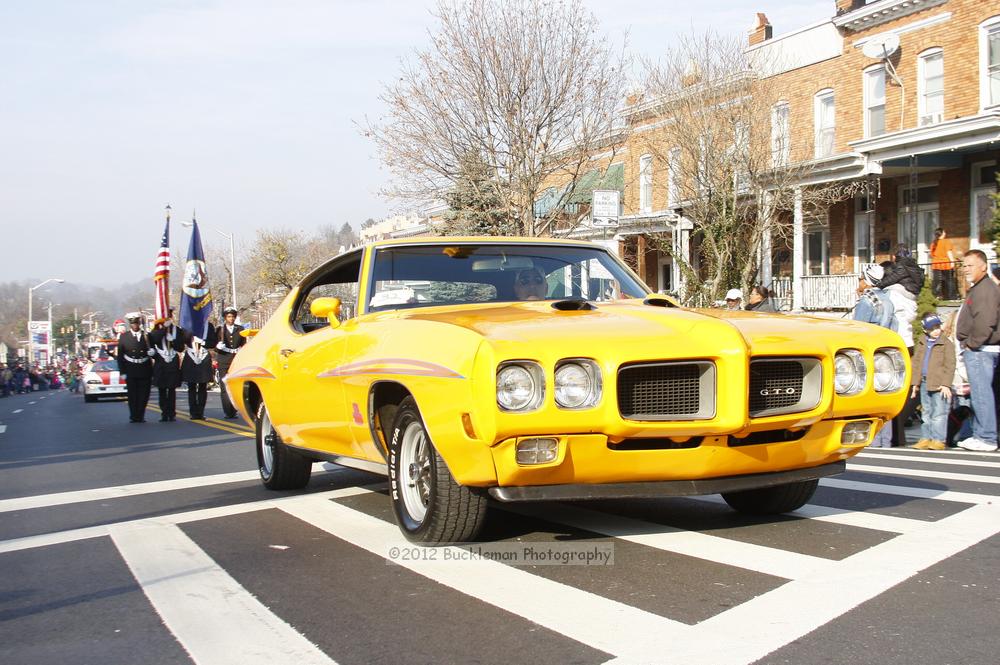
765, 243
640, 258
798, 254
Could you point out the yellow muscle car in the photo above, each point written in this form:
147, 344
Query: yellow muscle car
528, 370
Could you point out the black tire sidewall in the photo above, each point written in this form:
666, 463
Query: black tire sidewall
406, 415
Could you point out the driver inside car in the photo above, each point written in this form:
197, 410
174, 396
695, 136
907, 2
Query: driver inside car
530, 285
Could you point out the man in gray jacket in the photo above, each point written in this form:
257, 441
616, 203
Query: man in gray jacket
979, 334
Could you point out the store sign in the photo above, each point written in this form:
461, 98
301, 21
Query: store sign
39, 331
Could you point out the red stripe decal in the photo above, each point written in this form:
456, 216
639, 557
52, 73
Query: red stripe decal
398, 366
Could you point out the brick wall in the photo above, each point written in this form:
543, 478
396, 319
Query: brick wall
958, 37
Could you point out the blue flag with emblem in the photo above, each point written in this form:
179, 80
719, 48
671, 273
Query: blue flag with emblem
196, 298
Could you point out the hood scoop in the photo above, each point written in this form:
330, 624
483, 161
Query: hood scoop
659, 301
573, 305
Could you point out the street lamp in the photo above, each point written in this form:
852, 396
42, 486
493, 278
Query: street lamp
232, 256
31, 346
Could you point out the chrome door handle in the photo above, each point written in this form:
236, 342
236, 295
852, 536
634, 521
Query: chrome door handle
287, 352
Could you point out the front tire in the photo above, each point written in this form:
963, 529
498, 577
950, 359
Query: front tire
772, 500
281, 468
89, 398
431, 508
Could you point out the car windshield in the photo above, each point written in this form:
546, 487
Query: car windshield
429, 275
104, 366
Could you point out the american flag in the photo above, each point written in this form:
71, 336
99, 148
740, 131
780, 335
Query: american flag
161, 274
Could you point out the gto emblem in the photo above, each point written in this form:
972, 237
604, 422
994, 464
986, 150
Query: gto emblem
777, 391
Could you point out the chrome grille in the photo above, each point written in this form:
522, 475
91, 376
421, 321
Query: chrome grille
667, 391
783, 385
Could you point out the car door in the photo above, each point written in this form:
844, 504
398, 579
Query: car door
312, 411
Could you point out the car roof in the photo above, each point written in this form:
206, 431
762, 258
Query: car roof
480, 240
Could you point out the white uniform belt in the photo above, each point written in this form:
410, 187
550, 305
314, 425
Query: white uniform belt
136, 360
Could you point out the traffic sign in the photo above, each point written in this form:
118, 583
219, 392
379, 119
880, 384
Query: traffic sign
605, 207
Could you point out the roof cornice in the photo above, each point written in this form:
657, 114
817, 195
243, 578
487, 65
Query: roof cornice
876, 13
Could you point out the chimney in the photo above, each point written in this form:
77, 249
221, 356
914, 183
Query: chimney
692, 73
844, 6
761, 31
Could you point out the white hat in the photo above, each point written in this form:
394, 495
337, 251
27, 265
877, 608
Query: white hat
734, 294
873, 274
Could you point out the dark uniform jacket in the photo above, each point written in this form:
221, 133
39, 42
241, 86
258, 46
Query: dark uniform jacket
231, 343
167, 361
133, 355
978, 323
197, 364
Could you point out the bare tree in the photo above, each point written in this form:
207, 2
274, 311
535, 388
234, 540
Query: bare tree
714, 119
527, 87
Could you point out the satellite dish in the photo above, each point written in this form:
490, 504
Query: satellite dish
881, 46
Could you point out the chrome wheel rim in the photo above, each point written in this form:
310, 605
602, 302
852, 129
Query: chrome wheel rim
266, 451
415, 471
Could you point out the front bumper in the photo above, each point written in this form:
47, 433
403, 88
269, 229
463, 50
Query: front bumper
591, 460
97, 391
646, 490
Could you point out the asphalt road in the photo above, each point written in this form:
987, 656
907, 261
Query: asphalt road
155, 543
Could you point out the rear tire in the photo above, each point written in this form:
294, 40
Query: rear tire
431, 508
772, 500
281, 468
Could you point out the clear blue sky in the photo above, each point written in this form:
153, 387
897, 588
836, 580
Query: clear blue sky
246, 110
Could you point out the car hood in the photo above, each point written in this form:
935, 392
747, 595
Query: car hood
628, 320
533, 322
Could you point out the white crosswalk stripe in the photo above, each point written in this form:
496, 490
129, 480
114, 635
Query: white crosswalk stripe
864, 520
923, 473
767, 560
929, 457
216, 620
585, 617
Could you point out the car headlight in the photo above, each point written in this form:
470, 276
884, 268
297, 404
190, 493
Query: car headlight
577, 384
850, 372
520, 386
890, 370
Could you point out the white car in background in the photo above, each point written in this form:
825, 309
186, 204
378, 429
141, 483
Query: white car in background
102, 379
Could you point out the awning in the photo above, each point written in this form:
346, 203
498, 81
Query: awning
583, 189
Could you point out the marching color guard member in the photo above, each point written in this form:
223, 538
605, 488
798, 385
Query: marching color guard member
230, 341
135, 363
197, 371
167, 341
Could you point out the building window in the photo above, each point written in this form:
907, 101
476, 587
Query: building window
646, 183
780, 145
673, 178
989, 57
930, 86
984, 186
817, 249
824, 119
918, 217
874, 100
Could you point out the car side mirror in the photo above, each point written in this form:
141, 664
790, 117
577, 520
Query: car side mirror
249, 332
328, 308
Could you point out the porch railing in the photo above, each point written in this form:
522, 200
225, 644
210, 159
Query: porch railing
829, 292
